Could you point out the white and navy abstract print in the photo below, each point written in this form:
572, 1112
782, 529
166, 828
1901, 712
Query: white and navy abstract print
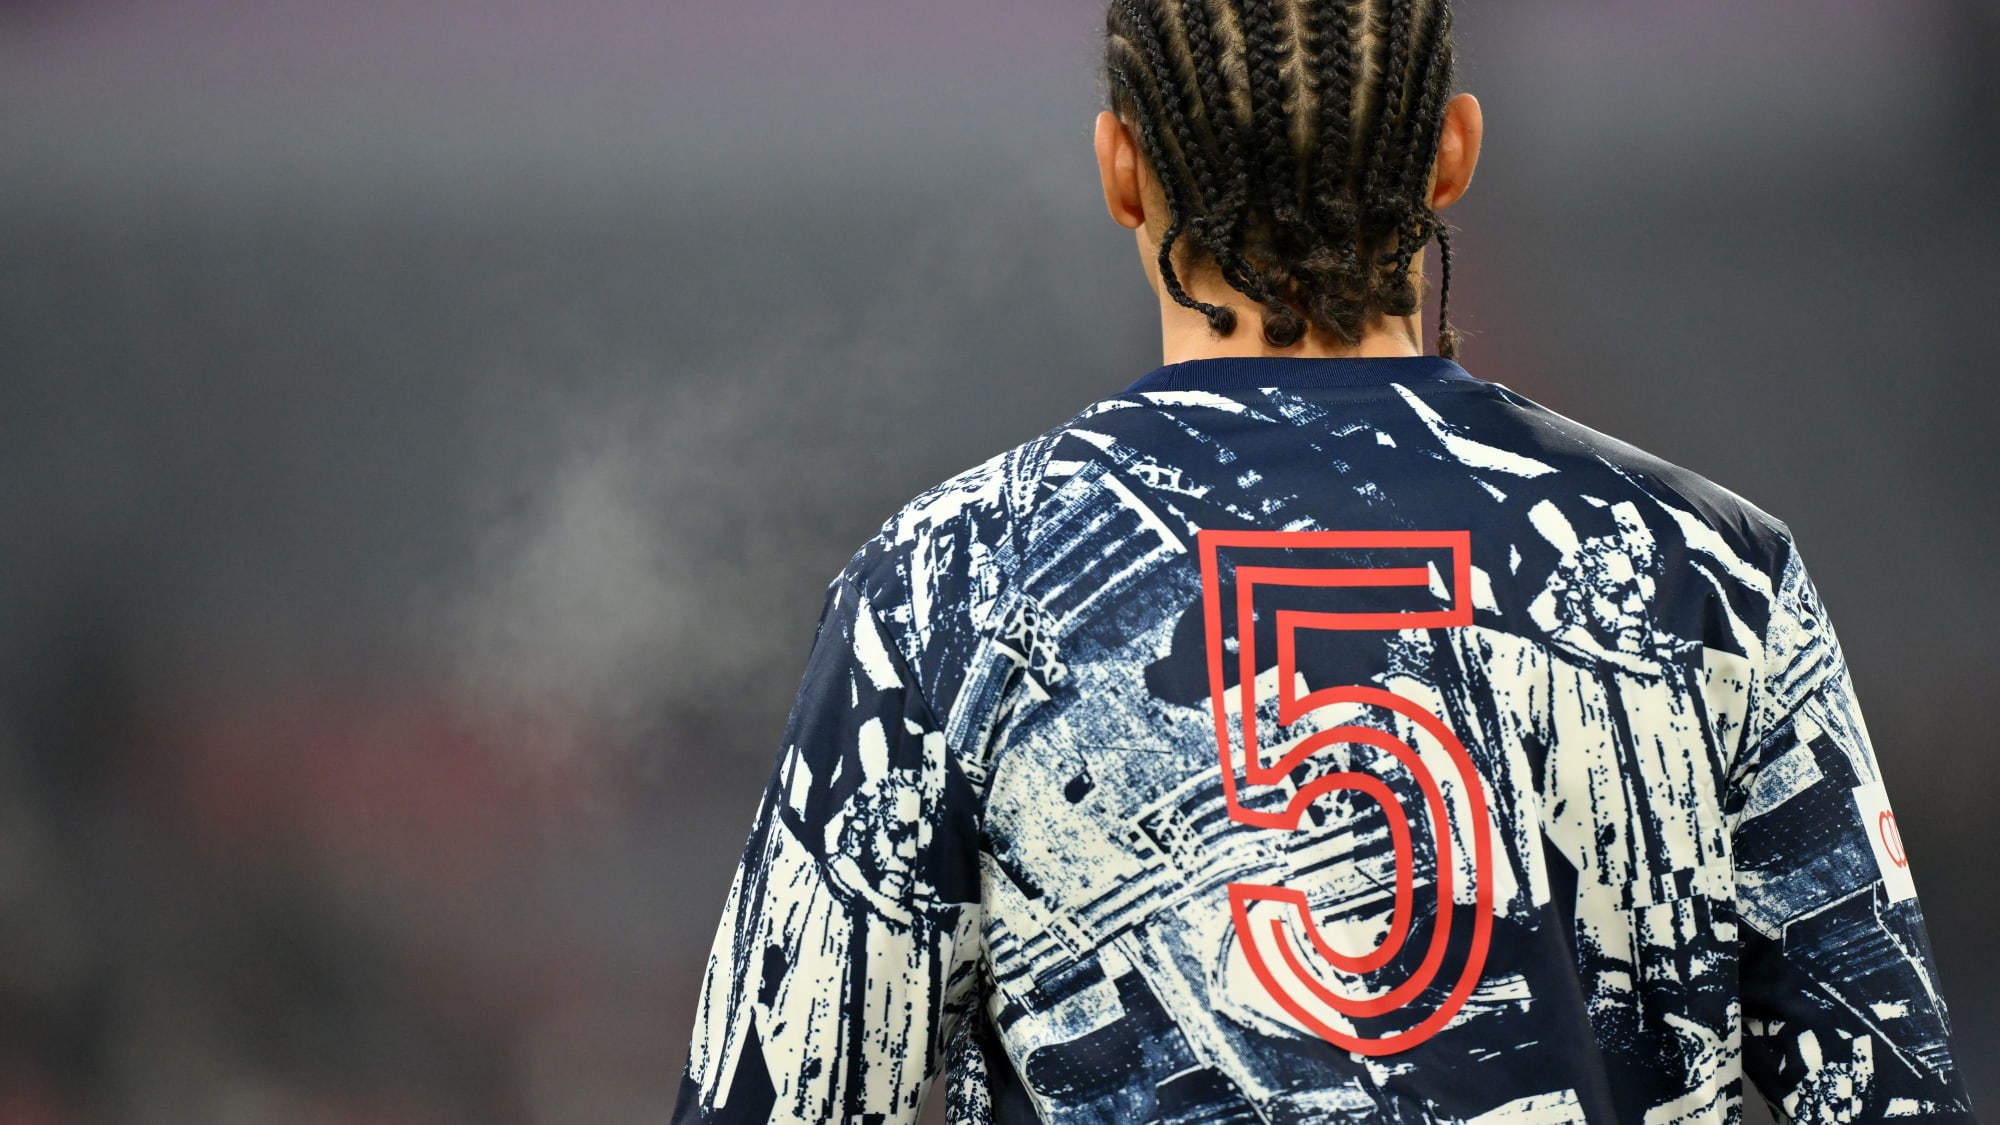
1324, 740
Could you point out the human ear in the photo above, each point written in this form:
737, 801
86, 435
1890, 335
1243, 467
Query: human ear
1458, 151
1118, 168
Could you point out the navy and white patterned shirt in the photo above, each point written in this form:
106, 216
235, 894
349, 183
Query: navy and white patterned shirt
1324, 740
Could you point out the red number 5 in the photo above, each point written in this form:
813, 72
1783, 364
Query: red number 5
1289, 968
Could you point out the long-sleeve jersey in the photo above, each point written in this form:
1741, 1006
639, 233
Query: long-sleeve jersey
1324, 740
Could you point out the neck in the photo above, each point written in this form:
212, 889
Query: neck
1185, 334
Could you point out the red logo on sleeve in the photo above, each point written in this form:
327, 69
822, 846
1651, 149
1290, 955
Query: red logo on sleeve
1892, 838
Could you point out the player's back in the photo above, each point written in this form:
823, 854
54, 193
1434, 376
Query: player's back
1333, 740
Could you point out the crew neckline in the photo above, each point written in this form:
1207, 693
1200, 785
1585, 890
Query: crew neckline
1249, 373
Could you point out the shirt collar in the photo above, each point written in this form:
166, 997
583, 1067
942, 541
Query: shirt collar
1249, 373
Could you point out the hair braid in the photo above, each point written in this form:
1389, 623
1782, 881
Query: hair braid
1334, 259
1442, 79
1336, 73
1220, 318
1216, 230
1433, 78
1192, 152
1448, 337
1387, 114
1142, 43
1426, 118
1263, 42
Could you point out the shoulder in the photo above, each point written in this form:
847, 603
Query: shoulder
937, 573
1703, 507
1707, 538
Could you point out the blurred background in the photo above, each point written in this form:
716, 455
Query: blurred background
426, 430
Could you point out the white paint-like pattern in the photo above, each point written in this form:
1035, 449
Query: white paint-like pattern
1473, 454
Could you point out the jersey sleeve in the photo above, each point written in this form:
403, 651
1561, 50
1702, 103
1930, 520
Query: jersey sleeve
848, 946
1843, 1018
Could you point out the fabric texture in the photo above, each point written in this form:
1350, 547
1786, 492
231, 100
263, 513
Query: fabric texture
1324, 740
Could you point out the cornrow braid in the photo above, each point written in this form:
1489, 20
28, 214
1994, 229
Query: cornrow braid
1434, 79
1264, 32
1265, 50
1216, 229
1336, 72
1294, 141
1419, 221
1171, 100
1337, 299
1220, 318
1388, 98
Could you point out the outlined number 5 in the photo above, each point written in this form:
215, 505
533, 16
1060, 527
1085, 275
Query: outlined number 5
1284, 946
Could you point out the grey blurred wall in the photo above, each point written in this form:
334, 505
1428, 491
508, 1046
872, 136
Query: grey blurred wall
426, 430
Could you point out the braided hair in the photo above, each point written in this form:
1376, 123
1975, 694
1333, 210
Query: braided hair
1294, 140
